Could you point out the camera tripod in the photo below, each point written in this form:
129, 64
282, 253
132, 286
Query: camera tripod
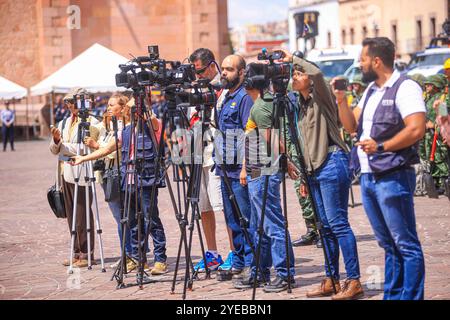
88, 170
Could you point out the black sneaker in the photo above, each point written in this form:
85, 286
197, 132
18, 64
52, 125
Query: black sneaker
278, 285
246, 283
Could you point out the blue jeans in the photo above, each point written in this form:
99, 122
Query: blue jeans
273, 242
330, 188
389, 204
114, 206
242, 251
156, 228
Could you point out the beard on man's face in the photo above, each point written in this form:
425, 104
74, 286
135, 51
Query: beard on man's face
369, 76
231, 83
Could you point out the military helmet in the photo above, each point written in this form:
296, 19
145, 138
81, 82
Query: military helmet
436, 80
358, 80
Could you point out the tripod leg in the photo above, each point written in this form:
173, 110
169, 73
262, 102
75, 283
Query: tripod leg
286, 234
202, 246
260, 234
74, 217
73, 231
97, 216
352, 197
88, 217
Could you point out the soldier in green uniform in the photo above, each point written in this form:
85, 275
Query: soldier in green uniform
434, 86
311, 236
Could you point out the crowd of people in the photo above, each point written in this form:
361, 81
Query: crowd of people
371, 133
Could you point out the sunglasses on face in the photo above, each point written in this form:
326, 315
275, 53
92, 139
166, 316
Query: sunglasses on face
202, 70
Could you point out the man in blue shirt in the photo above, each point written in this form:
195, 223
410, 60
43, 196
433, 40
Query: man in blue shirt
8, 117
232, 117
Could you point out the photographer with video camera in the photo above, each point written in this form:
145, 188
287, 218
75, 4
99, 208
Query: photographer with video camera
327, 162
260, 139
231, 121
64, 143
149, 177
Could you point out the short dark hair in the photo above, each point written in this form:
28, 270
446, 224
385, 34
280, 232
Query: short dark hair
204, 55
382, 48
241, 62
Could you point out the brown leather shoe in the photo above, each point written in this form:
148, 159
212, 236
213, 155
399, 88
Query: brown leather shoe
351, 290
66, 262
325, 289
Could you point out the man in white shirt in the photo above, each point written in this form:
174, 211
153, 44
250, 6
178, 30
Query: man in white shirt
391, 124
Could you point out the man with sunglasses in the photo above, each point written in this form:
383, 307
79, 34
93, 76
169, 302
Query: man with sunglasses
210, 195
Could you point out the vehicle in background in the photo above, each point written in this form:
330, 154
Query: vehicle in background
335, 62
355, 69
428, 62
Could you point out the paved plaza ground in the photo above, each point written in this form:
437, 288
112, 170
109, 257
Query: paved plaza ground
33, 243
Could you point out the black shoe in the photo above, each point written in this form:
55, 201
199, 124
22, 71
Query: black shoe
278, 285
246, 283
306, 240
319, 244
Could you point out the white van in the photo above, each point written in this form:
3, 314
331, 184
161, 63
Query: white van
335, 62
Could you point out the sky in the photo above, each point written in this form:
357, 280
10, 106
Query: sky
243, 12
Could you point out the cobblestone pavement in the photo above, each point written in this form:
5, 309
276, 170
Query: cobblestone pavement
33, 243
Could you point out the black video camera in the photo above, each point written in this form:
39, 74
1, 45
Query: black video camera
261, 75
151, 70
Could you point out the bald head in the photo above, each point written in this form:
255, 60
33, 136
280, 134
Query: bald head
233, 68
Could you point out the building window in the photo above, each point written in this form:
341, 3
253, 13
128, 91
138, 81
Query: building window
344, 37
433, 27
352, 36
203, 17
204, 36
364, 32
419, 35
394, 34
329, 39
56, 41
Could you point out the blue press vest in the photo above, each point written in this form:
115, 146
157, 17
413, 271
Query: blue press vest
387, 122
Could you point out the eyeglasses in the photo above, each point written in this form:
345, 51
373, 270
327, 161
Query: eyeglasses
202, 70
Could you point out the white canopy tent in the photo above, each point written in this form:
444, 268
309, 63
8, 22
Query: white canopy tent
10, 90
94, 70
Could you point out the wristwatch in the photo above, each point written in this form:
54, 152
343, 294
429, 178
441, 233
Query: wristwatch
380, 147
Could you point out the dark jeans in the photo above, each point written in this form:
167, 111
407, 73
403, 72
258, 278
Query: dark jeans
243, 253
389, 205
330, 188
156, 228
8, 134
273, 243
114, 206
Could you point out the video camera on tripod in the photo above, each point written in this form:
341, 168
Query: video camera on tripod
261, 75
151, 70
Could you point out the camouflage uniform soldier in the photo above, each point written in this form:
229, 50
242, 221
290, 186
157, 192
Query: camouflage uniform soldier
435, 85
311, 237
